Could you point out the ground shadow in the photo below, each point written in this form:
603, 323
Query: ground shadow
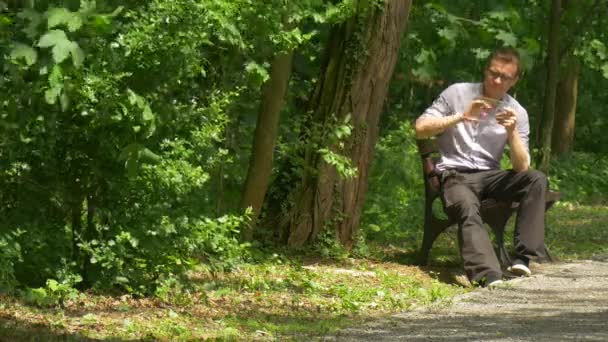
12, 330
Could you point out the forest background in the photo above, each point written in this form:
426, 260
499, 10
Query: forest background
143, 140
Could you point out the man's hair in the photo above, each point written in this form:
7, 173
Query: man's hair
505, 54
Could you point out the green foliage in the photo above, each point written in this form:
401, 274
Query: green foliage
581, 177
394, 204
123, 131
54, 293
125, 127
10, 254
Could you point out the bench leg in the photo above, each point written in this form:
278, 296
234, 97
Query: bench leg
427, 243
547, 256
432, 228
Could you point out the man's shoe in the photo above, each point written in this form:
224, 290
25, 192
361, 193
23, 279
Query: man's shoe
491, 280
494, 284
520, 270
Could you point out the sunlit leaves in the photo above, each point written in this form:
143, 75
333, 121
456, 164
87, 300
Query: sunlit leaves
55, 85
136, 154
77, 54
62, 16
425, 60
62, 47
257, 73
52, 38
145, 117
448, 34
34, 19
342, 11
25, 52
595, 54
507, 38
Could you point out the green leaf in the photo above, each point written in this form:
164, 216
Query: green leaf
64, 100
56, 77
55, 85
52, 284
448, 34
122, 280
31, 30
61, 51
508, 38
24, 51
257, 73
87, 6
605, 71
63, 16
600, 49
77, 54
52, 38
147, 113
5, 21
147, 156
51, 94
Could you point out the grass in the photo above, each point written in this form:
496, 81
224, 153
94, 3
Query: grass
278, 300
286, 298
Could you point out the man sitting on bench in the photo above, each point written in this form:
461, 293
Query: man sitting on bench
474, 122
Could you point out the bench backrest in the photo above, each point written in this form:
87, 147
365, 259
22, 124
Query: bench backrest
428, 150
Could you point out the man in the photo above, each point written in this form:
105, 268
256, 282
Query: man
474, 122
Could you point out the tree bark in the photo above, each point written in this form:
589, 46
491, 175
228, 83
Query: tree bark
548, 115
362, 54
565, 109
260, 163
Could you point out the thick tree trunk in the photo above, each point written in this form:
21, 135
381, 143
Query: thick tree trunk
546, 125
362, 54
565, 109
260, 163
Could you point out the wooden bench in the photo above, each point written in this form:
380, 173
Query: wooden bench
494, 213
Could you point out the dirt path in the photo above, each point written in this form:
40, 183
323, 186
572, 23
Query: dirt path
560, 302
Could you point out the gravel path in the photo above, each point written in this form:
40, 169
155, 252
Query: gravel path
560, 302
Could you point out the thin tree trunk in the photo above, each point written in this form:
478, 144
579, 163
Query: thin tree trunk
546, 125
260, 163
565, 109
89, 236
354, 82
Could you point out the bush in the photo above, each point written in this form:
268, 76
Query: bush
394, 205
581, 177
10, 254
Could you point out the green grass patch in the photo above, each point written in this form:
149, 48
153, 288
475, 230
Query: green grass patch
285, 300
577, 231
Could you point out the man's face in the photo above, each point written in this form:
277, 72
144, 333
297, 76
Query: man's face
499, 77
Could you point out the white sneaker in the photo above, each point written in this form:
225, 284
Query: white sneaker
494, 284
520, 270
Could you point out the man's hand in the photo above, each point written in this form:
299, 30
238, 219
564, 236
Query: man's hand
508, 119
476, 107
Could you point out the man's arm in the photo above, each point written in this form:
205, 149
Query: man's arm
428, 126
519, 153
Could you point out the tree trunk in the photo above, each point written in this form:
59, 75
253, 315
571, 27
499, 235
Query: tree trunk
546, 125
362, 54
260, 163
565, 109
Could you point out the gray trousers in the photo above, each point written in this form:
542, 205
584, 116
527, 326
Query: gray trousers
462, 193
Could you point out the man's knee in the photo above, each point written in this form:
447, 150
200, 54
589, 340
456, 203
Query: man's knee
461, 206
537, 178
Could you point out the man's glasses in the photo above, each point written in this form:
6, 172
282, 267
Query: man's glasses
495, 74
